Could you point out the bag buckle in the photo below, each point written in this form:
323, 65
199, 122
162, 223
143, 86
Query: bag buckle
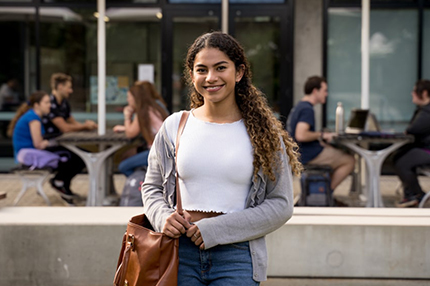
130, 240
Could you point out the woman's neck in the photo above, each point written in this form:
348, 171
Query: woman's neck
215, 114
38, 112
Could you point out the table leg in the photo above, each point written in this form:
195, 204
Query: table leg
374, 161
95, 166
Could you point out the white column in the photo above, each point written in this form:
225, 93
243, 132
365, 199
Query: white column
365, 23
224, 16
101, 67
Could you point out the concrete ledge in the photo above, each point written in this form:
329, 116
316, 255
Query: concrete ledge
80, 246
352, 243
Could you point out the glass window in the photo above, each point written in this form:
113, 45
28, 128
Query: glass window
17, 70
95, 1
17, 63
231, 1
426, 45
260, 37
393, 64
133, 39
69, 45
185, 31
65, 37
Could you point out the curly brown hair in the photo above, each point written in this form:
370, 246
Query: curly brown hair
262, 126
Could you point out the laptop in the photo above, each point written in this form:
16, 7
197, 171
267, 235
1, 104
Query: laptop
357, 121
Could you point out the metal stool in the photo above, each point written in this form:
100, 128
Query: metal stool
31, 178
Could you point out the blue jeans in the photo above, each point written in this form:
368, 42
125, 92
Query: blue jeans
221, 265
128, 165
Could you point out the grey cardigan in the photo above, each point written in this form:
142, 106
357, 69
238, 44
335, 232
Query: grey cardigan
269, 204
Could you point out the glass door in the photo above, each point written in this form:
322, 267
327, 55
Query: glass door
183, 27
267, 37
265, 33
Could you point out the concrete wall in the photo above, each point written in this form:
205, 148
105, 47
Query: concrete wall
80, 246
308, 47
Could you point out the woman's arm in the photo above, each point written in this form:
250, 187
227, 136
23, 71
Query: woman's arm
131, 125
420, 124
36, 135
254, 222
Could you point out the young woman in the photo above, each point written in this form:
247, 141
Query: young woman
235, 168
26, 127
418, 153
143, 115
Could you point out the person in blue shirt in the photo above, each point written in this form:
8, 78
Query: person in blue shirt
27, 131
313, 149
26, 127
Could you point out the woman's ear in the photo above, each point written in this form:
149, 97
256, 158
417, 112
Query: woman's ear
239, 72
191, 76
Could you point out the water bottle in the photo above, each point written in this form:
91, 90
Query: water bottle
339, 118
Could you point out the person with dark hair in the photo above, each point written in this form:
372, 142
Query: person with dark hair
9, 94
416, 154
313, 149
27, 131
59, 121
235, 168
143, 115
26, 127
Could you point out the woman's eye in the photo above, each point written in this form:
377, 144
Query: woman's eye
200, 70
220, 68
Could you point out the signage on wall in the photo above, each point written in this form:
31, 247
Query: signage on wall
116, 89
145, 72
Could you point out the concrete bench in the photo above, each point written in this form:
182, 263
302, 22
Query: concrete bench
80, 246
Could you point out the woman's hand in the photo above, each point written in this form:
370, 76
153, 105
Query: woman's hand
194, 233
118, 128
176, 225
128, 112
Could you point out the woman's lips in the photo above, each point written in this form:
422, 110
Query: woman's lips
213, 88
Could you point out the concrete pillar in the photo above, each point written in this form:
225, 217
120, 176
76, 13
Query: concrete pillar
308, 47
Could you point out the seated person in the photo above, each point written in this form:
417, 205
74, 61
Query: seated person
27, 131
143, 115
416, 154
59, 121
301, 126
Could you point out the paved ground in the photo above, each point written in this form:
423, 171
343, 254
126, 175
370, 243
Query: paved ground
11, 185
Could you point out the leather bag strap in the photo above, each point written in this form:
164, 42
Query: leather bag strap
181, 127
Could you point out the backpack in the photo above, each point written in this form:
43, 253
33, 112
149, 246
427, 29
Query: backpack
131, 195
35, 158
315, 183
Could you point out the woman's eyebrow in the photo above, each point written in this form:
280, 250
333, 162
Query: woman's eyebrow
216, 64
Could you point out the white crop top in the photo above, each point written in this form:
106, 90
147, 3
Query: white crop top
215, 166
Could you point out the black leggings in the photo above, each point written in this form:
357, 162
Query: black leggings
406, 168
67, 170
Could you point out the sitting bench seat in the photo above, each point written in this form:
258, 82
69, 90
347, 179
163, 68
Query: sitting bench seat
31, 178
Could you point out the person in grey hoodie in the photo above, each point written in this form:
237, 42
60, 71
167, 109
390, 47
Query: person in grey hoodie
416, 154
235, 166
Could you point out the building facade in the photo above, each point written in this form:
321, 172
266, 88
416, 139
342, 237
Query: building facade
285, 40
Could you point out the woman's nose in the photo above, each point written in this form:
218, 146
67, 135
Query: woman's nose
211, 76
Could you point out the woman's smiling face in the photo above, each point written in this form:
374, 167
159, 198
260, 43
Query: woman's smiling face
214, 76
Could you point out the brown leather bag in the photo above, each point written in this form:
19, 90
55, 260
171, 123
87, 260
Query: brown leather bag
150, 258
